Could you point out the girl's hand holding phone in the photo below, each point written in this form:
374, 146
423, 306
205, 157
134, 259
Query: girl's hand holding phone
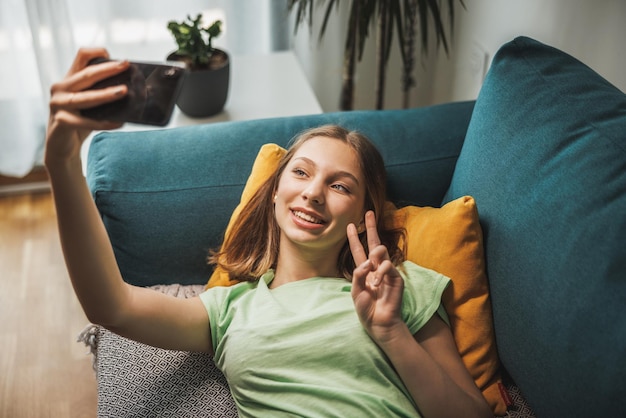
67, 128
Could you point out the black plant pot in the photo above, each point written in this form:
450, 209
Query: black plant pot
204, 92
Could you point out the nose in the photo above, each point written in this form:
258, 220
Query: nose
314, 192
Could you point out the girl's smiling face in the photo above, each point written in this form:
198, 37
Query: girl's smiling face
320, 192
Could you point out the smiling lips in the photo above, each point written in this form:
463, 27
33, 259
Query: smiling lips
306, 217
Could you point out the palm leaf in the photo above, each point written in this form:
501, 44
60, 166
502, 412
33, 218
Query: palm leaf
366, 18
396, 13
326, 17
303, 8
439, 28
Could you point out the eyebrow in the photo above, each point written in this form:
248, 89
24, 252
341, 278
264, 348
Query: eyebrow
339, 173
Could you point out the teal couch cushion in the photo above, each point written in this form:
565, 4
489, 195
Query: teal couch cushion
545, 159
166, 196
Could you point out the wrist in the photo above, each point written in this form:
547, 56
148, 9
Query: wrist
62, 165
64, 174
392, 337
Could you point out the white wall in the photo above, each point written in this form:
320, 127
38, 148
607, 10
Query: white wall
592, 31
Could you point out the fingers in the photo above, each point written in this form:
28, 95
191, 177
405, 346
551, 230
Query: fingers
73, 120
367, 274
84, 55
73, 93
387, 272
82, 76
359, 276
377, 252
373, 240
72, 100
86, 77
67, 128
356, 248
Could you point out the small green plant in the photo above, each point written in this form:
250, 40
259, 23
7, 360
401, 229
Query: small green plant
194, 41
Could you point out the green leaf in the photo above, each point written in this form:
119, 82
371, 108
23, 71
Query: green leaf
189, 37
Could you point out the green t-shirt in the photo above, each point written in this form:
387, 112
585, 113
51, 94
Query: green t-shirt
300, 350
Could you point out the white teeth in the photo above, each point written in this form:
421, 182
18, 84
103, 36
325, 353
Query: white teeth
306, 217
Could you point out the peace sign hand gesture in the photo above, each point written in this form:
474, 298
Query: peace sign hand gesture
376, 284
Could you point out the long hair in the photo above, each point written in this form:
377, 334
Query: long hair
251, 247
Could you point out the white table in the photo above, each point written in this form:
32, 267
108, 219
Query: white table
261, 86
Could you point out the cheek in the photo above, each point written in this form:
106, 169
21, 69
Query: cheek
348, 211
289, 189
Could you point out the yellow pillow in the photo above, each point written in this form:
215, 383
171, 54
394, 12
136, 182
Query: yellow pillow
265, 164
446, 239
449, 240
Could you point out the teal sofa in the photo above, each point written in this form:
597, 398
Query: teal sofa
542, 151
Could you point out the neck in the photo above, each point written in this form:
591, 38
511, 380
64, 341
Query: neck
296, 265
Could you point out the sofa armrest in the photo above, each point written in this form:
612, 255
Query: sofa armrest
545, 160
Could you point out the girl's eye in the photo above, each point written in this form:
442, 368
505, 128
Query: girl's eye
341, 188
299, 172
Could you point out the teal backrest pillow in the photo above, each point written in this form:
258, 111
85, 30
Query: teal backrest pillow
166, 196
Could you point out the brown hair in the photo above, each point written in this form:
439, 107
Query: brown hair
251, 247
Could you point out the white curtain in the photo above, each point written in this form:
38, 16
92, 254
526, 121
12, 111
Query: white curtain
39, 38
34, 48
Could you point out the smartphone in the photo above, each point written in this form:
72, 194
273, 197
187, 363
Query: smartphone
152, 92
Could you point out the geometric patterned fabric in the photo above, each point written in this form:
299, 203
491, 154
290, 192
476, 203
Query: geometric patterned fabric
137, 380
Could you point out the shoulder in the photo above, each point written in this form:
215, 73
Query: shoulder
423, 289
222, 296
219, 295
415, 274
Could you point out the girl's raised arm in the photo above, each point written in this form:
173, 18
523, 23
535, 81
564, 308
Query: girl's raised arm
137, 313
428, 362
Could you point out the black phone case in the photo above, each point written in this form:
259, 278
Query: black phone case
152, 93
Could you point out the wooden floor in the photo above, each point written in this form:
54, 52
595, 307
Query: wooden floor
44, 372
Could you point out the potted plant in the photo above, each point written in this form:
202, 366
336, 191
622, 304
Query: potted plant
205, 87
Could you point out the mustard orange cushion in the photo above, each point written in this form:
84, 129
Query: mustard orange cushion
264, 165
446, 239
449, 240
